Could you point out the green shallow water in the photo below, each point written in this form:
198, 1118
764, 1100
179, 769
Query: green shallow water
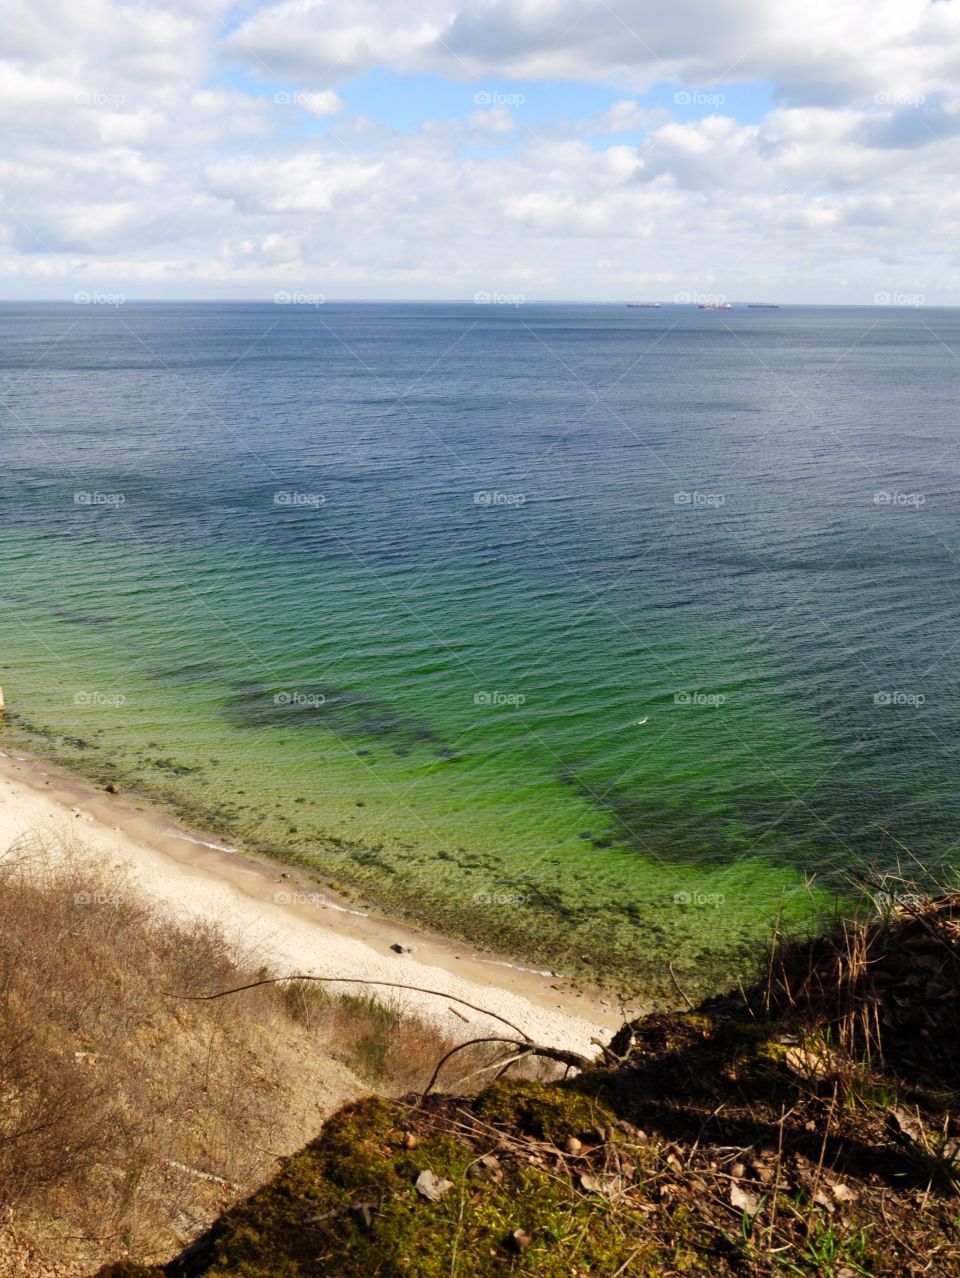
476, 789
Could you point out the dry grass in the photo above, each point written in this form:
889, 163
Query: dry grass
882, 987
129, 1119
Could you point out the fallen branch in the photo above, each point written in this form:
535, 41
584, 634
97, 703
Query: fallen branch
530, 1048
353, 980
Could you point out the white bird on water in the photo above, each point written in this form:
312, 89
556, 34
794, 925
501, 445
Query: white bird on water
638, 723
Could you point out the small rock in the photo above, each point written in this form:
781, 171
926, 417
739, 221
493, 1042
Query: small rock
398, 948
431, 1186
520, 1240
111, 788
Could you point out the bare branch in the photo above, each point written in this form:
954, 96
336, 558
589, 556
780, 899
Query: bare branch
529, 1049
354, 980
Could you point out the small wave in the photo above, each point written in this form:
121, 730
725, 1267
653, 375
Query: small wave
217, 847
517, 967
342, 909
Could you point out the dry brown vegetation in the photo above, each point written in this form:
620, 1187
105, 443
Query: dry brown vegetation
128, 1119
807, 1125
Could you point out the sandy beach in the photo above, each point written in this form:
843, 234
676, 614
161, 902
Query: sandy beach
277, 917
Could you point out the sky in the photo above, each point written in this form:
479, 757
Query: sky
756, 150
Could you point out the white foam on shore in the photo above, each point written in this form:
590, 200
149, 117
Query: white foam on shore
517, 967
343, 909
186, 838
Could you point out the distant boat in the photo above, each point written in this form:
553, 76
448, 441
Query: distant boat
638, 723
651, 306
763, 306
716, 306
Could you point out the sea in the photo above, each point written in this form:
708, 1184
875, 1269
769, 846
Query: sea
606, 639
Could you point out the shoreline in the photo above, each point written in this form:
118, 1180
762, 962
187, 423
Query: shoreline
276, 915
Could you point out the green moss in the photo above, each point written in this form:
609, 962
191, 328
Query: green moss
307, 1222
547, 1111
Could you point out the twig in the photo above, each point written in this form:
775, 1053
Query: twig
626, 1264
776, 1182
501, 1064
680, 991
532, 1049
823, 1147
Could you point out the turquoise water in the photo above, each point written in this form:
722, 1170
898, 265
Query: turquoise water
589, 634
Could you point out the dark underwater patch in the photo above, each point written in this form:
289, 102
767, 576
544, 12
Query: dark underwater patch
345, 713
188, 673
819, 835
90, 620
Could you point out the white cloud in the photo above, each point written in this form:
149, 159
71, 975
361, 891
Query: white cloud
301, 183
625, 116
824, 50
129, 160
497, 120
